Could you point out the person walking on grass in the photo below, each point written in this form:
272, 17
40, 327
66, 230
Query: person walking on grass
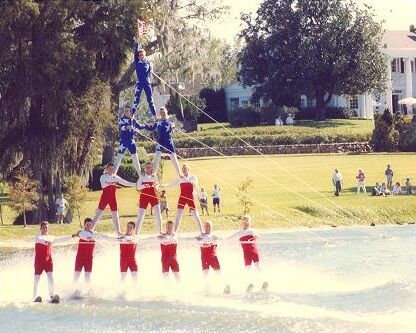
389, 176
216, 197
337, 180
361, 181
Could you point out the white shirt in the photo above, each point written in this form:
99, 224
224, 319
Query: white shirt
42, 239
337, 176
107, 180
144, 178
188, 179
244, 232
91, 235
209, 239
168, 239
289, 120
61, 202
202, 196
128, 239
216, 193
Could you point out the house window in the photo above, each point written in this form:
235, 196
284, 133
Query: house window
310, 102
397, 65
244, 103
354, 102
235, 103
307, 102
413, 65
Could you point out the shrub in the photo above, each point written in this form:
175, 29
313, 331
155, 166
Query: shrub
270, 112
340, 113
245, 116
407, 137
183, 109
385, 136
331, 113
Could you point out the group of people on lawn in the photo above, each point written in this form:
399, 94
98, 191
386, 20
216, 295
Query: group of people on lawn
386, 188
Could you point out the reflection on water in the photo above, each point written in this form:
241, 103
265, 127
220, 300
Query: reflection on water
360, 283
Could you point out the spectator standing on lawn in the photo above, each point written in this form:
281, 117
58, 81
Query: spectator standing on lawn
203, 201
408, 184
389, 176
216, 197
164, 207
361, 181
337, 180
61, 205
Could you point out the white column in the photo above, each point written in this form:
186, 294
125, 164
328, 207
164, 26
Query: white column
408, 72
389, 90
361, 106
369, 106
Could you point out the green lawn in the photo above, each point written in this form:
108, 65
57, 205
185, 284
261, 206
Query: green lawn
280, 199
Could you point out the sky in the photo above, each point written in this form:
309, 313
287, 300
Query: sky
398, 15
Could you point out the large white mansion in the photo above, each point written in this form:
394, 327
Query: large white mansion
400, 50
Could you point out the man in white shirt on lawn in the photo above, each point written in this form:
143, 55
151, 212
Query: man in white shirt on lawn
61, 204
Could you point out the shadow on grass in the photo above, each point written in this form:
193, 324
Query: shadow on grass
312, 211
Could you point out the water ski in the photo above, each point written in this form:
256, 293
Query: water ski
38, 299
55, 299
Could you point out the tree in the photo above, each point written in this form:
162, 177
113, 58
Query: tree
313, 47
183, 109
177, 45
242, 196
23, 194
57, 60
215, 105
4, 188
76, 193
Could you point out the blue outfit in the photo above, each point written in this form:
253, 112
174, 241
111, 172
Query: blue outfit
143, 72
164, 135
127, 135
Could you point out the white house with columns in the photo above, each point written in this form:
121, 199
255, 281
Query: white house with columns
400, 50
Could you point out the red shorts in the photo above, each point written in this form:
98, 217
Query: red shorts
145, 200
106, 200
250, 257
210, 261
182, 202
43, 265
171, 263
130, 264
85, 263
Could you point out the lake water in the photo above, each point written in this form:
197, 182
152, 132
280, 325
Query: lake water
358, 282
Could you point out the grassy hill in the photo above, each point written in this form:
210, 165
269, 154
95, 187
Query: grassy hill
304, 132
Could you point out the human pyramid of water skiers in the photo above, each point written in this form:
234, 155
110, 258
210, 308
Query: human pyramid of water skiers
147, 184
